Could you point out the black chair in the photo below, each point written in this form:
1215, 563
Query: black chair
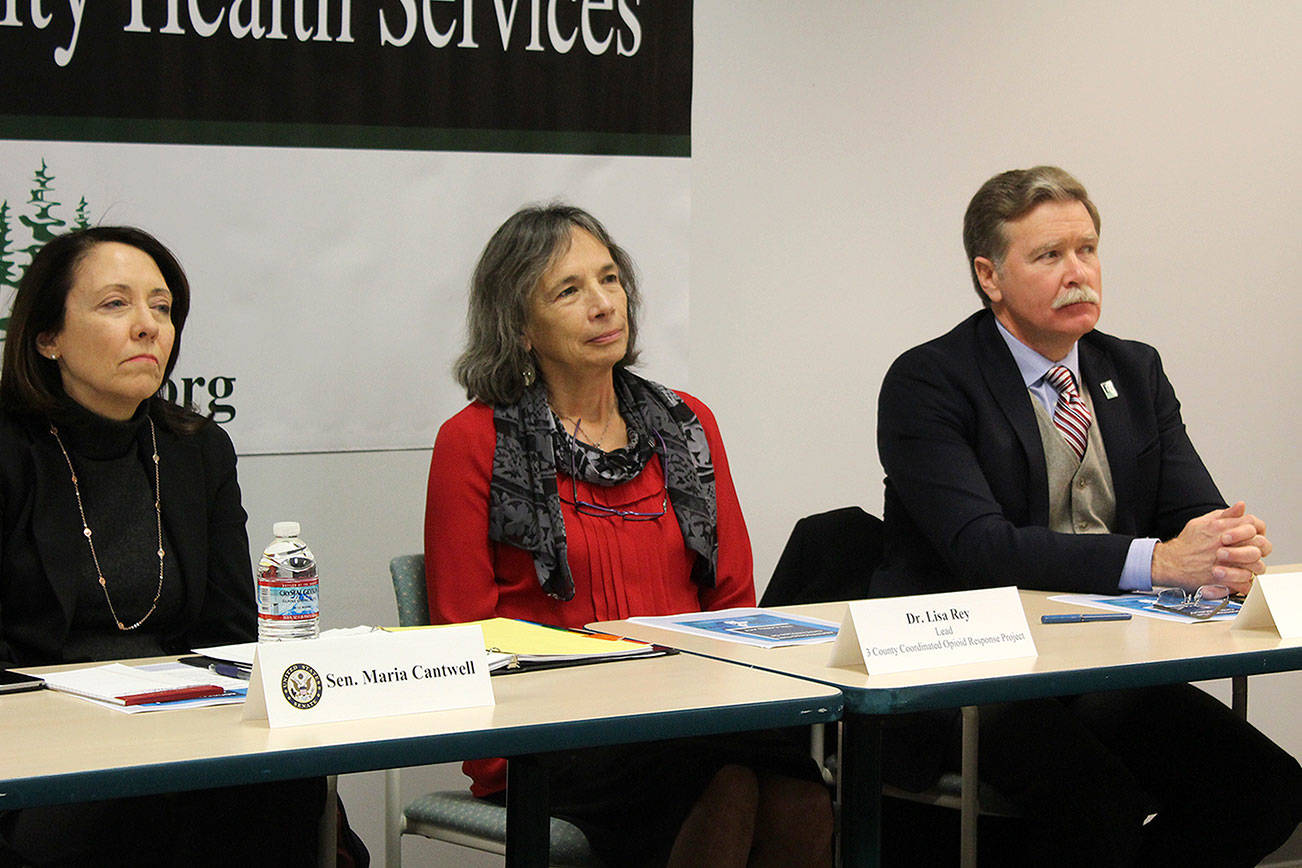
829, 556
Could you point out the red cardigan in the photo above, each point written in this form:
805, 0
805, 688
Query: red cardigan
621, 568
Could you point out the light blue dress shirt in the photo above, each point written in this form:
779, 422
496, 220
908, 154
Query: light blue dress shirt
1137, 572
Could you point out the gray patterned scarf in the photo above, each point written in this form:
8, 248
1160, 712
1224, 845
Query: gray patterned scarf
524, 507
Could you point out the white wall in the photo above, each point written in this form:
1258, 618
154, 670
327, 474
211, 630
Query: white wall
835, 147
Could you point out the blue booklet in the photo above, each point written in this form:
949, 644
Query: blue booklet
762, 627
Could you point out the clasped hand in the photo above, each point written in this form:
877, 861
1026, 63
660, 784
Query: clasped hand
1224, 547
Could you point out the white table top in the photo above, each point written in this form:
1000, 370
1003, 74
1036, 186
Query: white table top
1072, 658
58, 748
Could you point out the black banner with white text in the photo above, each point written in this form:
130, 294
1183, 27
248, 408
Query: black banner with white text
328, 171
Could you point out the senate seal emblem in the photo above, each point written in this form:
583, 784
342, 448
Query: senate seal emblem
301, 686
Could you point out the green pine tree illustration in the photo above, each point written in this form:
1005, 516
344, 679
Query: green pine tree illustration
9, 271
45, 222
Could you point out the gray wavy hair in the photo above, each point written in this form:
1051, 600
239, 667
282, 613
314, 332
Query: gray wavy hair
491, 368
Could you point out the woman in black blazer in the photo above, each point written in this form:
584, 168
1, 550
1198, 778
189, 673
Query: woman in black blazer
122, 535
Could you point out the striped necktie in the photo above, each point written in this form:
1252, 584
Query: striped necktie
1070, 416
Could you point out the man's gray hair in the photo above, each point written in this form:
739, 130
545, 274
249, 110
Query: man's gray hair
512, 265
1008, 196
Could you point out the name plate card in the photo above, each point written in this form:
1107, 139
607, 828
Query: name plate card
900, 634
1275, 602
372, 675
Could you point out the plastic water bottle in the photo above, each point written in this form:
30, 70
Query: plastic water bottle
289, 606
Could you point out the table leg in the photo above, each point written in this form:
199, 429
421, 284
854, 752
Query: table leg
1239, 696
328, 829
528, 820
861, 791
393, 818
969, 808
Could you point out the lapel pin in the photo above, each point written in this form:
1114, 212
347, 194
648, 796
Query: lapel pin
1109, 390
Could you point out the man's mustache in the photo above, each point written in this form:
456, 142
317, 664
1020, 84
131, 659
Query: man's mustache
1076, 295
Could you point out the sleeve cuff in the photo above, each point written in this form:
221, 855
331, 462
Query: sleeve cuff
1137, 572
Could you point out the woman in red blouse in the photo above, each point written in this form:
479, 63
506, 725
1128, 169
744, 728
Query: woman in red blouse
572, 490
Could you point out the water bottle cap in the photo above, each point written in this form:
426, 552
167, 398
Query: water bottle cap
285, 528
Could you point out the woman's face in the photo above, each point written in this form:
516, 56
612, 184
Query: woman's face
578, 315
117, 331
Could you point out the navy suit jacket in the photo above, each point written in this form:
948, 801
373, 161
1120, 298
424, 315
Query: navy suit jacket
967, 494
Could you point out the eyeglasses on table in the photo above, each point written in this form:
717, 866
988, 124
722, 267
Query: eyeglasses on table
1202, 604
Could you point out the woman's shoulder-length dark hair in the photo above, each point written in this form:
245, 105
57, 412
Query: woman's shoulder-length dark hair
30, 384
513, 262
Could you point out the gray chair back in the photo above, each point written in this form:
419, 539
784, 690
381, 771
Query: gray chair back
455, 816
408, 573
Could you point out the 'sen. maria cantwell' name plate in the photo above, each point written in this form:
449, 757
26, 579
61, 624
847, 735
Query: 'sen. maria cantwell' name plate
372, 675
899, 634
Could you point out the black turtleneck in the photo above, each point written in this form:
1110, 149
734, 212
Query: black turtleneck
114, 468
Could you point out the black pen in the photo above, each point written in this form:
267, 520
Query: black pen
1084, 619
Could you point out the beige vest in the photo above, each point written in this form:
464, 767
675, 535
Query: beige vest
1081, 496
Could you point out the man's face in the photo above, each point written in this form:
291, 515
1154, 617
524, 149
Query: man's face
1048, 290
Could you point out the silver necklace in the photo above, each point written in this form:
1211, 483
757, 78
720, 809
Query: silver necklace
575, 422
86, 532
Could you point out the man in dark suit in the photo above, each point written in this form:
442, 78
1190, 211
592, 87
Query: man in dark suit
1024, 447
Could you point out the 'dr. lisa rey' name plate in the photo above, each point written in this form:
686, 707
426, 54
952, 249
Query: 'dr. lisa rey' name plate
1275, 602
371, 675
900, 634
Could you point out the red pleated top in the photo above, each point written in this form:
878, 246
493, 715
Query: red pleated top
621, 568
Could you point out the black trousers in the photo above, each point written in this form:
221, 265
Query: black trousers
1087, 772
261, 824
